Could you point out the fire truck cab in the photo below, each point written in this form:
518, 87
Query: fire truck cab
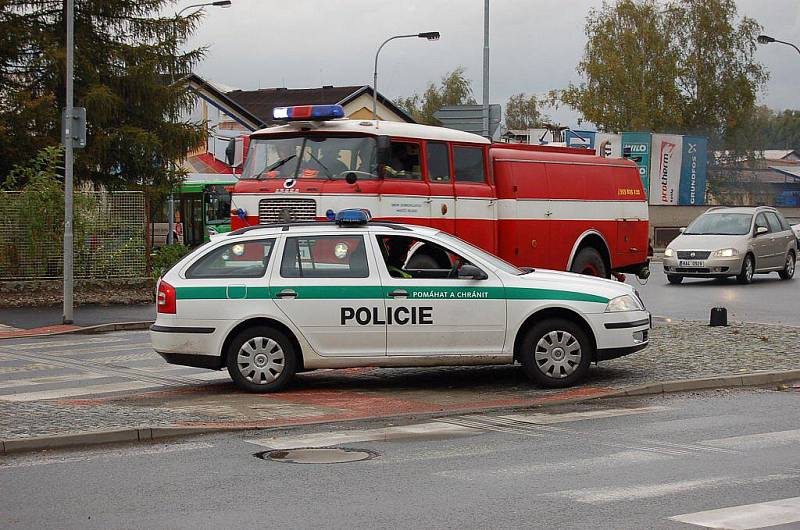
555, 208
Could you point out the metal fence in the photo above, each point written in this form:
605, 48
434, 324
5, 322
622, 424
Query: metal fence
108, 229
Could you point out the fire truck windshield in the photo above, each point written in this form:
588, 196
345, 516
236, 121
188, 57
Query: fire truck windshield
311, 156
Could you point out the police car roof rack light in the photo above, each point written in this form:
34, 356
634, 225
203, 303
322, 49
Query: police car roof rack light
308, 113
353, 216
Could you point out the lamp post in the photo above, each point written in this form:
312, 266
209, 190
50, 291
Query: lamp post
766, 39
486, 69
429, 35
68, 236
171, 214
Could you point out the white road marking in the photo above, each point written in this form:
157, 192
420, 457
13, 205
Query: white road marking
756, 441
745, 517
33, 381
326, 439
42, 395
612, 461
140, 450
647, 491
45, 344
547, 419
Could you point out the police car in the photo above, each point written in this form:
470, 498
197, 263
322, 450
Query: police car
269, 301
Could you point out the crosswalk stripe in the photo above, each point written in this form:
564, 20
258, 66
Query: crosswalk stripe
606, 495
745, 517
45, 344
326, 439
755, 441
49, 380
546, 419
76, 391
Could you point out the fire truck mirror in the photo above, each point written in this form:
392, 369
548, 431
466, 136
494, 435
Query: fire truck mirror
350, 177
230, 152
384, 150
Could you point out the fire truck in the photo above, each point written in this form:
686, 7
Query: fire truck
534, 206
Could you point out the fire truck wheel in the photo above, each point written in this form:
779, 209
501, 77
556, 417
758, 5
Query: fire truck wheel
556, 353
589, 262
261, 359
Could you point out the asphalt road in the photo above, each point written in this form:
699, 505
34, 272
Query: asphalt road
768, 299
633, 463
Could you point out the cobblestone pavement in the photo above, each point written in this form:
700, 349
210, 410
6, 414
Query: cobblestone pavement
76, 383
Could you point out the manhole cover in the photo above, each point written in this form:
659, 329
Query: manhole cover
317, 455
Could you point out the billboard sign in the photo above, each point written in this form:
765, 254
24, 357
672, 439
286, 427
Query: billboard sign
637, 147
665, 169
579, 139
608, 145
693, 171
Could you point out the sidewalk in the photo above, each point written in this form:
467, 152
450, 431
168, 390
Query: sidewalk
31, 321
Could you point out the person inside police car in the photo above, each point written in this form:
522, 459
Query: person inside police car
396, 255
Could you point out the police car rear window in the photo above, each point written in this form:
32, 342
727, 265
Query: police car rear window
324, 257
243, 259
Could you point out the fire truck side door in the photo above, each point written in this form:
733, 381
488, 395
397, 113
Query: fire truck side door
403, 195
476, 204
530, 214
440, 181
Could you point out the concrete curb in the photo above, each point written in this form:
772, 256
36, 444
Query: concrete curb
89, 330
145, 434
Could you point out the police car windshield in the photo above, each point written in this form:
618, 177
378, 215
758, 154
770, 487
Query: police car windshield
311, 156
491, 259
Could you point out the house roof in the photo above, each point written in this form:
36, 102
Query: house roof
789, 171
779, 154
261, 102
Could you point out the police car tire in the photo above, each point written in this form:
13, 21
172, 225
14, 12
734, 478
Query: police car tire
289, 356
589, 259
537, 333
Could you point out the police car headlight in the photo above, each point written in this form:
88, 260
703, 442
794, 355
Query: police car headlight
625, 302
725, 253
669, 253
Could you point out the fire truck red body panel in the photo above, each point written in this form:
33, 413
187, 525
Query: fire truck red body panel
539, 206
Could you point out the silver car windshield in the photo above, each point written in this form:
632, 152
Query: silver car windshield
491, 259
722, 224
311, 156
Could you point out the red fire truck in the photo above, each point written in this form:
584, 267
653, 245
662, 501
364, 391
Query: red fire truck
534, 206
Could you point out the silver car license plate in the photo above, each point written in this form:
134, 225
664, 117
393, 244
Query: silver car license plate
690, 263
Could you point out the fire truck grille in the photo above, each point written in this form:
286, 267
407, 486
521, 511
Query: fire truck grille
286, 210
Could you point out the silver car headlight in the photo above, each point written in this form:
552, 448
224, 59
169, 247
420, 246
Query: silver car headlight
725, 253
669, 253
625, 302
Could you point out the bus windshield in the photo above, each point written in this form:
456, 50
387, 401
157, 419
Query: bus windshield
310, 157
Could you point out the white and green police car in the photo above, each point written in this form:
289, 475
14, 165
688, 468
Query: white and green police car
270, 301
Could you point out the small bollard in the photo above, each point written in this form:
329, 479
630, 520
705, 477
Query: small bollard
719, 316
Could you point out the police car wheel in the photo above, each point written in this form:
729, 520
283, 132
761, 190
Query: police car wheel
556, 353
261, 359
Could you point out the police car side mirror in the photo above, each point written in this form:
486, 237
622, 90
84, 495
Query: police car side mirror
471, 272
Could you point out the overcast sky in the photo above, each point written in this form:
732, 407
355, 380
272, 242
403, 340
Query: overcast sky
535, 44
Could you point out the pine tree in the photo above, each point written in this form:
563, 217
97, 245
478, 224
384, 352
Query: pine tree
126, 62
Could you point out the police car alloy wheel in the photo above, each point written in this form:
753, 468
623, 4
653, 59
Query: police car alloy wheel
556, 353
261, 359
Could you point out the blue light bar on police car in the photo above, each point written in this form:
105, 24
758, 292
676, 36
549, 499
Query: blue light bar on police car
353, 216
308, 113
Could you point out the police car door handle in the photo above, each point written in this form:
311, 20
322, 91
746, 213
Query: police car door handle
399, 293
287, 293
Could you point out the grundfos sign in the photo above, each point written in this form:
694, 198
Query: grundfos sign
666, 169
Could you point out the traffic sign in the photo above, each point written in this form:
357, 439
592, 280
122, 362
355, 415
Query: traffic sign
469, 118
75, 128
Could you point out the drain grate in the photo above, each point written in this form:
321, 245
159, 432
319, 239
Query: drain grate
317, 455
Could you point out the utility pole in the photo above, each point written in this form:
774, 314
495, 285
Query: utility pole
486, 68
68, 155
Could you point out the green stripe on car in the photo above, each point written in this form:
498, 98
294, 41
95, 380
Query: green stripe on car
350, 292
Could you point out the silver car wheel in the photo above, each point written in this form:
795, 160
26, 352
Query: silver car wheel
260, 360
789, 265
557, 354
748, 269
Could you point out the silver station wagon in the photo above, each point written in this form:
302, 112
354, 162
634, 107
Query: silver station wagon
736, 242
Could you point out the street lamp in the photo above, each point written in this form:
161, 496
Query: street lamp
429, 35
171, 220
766, 39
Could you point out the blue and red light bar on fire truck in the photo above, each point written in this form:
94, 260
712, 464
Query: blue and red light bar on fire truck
308, 113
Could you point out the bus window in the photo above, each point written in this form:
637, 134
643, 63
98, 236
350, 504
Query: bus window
218, 205
438, 162
468, 163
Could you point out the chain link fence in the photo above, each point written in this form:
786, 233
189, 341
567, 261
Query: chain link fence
108, 227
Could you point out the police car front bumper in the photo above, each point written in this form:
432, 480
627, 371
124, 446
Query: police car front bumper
622, 333
186, 345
